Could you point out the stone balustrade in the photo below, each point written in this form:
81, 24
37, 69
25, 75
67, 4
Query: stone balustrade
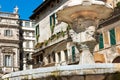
83, 69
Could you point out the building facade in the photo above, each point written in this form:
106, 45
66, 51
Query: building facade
51, 36
72, 49
54, 45
108, 49
9, 42
28, 42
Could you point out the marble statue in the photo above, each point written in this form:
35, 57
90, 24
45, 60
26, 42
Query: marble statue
87, 35
16, 9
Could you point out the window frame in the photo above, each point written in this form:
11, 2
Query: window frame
73, 54
37, 32
112, 34
8, 33
52, 22
101, 41
8, 63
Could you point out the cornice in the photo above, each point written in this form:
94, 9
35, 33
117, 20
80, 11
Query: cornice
9, 41
9, 26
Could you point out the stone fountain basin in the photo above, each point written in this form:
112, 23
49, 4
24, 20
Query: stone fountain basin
80, 13
93, 11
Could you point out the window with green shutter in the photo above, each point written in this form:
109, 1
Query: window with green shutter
52, 22
112, 37
101, 43
73, 53
37, 32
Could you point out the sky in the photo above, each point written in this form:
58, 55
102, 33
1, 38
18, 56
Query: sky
26, 7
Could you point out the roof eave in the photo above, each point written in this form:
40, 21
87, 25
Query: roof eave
39, 8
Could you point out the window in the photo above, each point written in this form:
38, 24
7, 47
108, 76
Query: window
73, 53
37, 32
8, 33
53, 56
49, 59
52, 22
33, 24
57, 1
33, 43
27, 44
112, 37
106, 38
8, 60
59, 56
27, 34
27, 24
101, 43
37, 59
66, 55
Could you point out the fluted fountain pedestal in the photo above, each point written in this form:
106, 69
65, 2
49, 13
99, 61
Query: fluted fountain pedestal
83, 16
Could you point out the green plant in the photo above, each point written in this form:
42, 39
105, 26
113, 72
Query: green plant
53, 37
37, 37
52, 28
118, 5
46, 42
63, 33
68, 27
38, 45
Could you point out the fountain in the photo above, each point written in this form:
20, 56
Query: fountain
83, 16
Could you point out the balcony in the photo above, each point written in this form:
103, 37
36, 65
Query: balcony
54, 39
28, 49
8, 15
29, 37
6, 21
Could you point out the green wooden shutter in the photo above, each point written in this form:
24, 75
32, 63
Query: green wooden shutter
52, 22
73, 53
101, 43
112, 37
37, 32
54, 18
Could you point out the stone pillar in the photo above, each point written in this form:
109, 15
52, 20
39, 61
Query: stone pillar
31, 65
24, 63
56, 59
51, 59
86, 56
45, 61
63, 61
68, 48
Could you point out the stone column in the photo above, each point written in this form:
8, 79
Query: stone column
45, 60
24, 63
68, 48
51, 59
31, 65
86, 57
56, 59
63, 61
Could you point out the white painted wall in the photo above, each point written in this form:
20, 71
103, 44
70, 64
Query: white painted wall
44, 23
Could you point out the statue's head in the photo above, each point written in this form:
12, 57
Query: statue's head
72, 33
90, 30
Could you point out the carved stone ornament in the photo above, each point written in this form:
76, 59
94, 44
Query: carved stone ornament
7, 50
